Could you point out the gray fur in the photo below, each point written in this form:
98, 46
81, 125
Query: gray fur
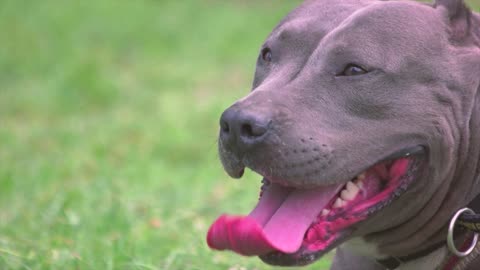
422, 90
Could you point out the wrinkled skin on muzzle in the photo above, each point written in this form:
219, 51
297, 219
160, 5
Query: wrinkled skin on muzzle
342, 85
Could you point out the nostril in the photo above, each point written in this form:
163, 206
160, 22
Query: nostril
239, 128
225, 128
252, 131
246, 130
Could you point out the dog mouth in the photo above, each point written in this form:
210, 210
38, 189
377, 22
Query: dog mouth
294, 226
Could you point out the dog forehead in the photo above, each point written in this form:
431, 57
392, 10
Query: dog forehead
389, 26
396, 14
318, 18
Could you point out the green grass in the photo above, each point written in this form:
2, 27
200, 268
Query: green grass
108, 124
108, 121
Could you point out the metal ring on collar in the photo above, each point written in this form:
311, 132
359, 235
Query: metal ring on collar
451, 243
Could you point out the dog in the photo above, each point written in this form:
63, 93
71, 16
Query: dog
364, 121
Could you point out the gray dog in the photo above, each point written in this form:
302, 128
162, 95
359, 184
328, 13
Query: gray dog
364, 121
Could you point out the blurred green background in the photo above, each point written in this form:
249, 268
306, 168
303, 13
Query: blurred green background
108, 123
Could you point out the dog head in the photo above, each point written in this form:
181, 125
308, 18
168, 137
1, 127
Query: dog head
360, 122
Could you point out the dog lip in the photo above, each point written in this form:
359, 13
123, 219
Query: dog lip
418, 156
234, 167
406, 152
413, 151
305, 257
238, 174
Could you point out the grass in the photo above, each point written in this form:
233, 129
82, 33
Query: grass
108, 124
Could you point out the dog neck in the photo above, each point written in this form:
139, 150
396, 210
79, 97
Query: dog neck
431, 261
476, 28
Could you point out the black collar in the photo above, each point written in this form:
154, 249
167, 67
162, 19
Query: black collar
394, 262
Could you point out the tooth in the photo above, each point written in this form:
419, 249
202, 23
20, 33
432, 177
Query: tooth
325, 212
359, 180
345, 195
359, 184
339, 203
349, 193
352, 187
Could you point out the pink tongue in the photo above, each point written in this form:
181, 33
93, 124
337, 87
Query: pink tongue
278, 222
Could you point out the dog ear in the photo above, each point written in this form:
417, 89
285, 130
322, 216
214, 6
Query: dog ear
460, 18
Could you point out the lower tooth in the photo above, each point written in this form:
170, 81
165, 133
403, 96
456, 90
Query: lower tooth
325, 212
347, 195
338, 203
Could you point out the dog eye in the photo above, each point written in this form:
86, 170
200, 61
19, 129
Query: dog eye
266, 55
353, 70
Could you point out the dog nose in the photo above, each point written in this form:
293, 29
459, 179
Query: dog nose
240, 130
